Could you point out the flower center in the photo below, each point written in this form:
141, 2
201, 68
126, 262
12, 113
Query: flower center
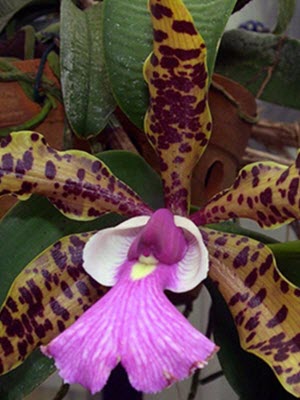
160, 239
142, 269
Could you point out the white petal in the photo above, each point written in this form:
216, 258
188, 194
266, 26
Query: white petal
193, 268
107, 250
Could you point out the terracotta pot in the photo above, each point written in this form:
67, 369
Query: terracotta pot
219, 164
16, 108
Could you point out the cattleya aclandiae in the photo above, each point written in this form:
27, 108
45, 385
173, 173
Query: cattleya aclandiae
134, 323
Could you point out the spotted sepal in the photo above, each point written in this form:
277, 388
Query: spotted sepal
45, 298
178, 121
80, 185
266, 192
264, 305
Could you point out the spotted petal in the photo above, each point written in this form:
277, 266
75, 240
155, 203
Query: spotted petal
264, 305
134, 324
81, 186
266, 192
46, 297
178, 121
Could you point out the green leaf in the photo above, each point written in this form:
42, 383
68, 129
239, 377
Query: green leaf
285, 14
33, 225
8, 8
247, 58
86, 91
128, 42
249, 376
288, 259
22, 381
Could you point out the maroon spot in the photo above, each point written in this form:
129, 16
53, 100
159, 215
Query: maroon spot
277, 339
50, 170
58, 309
239, 319
154, 60
187, 54
252, 323
293, 190
251, 278
26, 323
275, 210
221, 241
240, 199
185, 148
15, 329
96, 166
159, 35
7, 163
34, 137
261, 215
66, 289
257, 299
158, 11
250, 202
297, 292
254, 256
59, 258
291, 380
279, 317
60, 325
27, 160
5, 141
35, 290
81, 174
284, 287
12, 304
266, 197
5, 317
22, 348
83, 288
250, 337
281, 356
265, 266
169, 62
234, 299
26, 187
184, 27
242, 258
40, 331
276, 275
6, 346
282, 177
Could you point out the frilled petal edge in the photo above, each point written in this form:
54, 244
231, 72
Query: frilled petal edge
134, 324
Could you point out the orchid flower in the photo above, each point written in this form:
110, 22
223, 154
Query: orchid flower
54, 302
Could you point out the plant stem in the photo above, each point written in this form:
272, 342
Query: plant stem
63, 390
211, 378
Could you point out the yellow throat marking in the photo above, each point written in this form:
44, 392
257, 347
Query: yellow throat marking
143, 267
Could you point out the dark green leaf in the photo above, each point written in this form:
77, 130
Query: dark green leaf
250, 58
86, 91
8, 8
285, 14
22, 381
128, 42
33, 225
288, 259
